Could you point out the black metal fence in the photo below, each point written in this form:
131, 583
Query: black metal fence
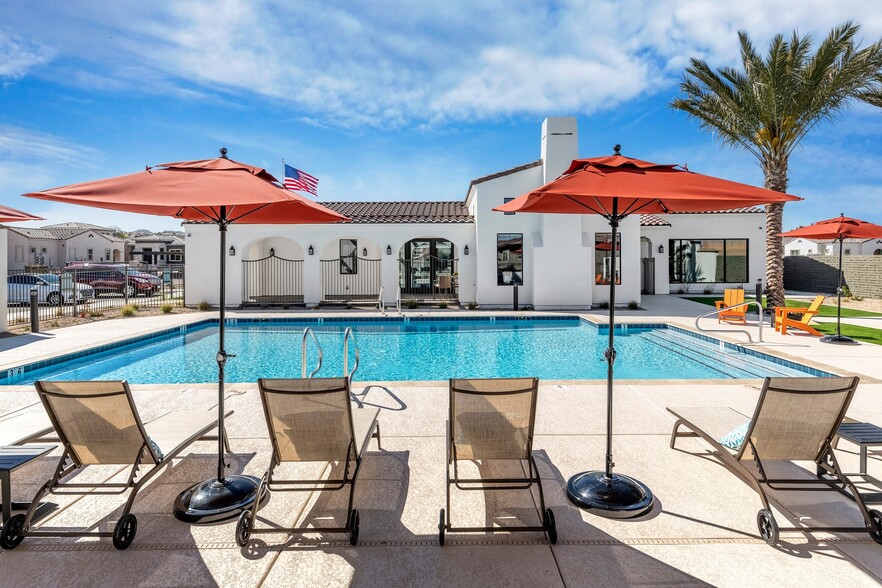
429, 278
272, 281
351, 279
647, 276
91, 290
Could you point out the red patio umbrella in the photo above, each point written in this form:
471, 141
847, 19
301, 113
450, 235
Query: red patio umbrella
838, 229
616, 187
219, 191
12, 215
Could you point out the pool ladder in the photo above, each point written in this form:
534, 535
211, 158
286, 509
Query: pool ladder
746, 332
348, 335
306, 333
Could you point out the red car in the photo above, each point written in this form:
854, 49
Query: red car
115, 279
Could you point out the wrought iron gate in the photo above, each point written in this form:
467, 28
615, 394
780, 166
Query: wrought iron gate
647, 276
351, 279
272, 281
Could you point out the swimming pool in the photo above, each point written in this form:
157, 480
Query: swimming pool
417, 349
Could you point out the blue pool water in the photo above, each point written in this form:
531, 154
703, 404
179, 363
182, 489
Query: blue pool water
419, 350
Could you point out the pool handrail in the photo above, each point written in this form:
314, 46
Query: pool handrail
380, 305
724, 309
309, 331
347, 335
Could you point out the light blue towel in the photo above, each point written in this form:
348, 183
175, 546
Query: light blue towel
734, 439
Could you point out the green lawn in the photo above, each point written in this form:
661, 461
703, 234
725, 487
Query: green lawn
865, 334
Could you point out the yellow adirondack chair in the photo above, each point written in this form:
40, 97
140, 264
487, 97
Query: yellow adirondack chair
731, 297
783, 320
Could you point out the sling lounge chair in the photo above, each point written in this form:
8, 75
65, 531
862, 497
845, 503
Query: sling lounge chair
795, 419
311, 420
493, 419
732, 297
98, 424
785, 320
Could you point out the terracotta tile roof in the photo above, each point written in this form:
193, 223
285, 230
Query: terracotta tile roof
403, 212
650, 220
32, 233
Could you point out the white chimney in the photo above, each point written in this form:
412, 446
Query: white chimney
560, 145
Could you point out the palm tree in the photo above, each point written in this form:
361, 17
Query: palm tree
774, 102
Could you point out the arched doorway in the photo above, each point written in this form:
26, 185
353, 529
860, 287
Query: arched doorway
272, 273
428, 269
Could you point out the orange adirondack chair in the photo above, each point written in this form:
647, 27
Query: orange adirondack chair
731, 297
783, 320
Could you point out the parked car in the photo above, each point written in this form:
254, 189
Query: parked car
115, 279
48, 288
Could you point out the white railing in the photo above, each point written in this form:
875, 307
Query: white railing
306, 332
347, 335
719, 310
380, 304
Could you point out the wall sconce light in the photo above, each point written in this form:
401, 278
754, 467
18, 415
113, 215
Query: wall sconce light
388, 250
232, 251
661, 248
272, 252
311, 251
465, 250
364, 252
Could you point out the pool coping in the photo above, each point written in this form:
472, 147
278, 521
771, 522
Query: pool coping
816, 369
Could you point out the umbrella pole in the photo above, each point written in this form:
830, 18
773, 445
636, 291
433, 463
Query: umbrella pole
839, 337
604, 493
224, 497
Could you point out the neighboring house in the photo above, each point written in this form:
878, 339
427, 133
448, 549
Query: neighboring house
157, 249
54, 246
800, 246
853, 247
464, 251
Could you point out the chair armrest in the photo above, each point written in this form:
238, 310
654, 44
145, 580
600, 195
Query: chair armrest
720, 304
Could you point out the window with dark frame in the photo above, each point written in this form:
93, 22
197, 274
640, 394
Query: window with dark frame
509, 259
348, 256
603, 258
708, 261
506, 201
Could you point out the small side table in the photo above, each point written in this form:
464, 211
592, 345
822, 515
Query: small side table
863, 435
12, 458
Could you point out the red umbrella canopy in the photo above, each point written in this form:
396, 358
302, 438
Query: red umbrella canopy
590, 186
836, 228
12, 215
196, 191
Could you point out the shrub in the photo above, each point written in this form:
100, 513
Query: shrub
472, 306
442, 305
203, 306
410, 303
128, 310
527, 307
708, 289
166, 308
92, 314
633, 305
603, 306
54, 325
135, 306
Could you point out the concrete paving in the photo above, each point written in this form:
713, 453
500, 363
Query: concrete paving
701, 532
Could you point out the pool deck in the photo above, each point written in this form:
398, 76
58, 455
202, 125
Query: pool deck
701, 532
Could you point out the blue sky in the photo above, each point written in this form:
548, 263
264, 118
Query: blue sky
393, 100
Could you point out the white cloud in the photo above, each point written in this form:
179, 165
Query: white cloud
394, 63
18, 144
18, 57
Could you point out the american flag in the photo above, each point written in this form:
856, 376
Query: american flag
298, 180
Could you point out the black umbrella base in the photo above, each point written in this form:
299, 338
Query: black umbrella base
840, 339
614, 497
213, 501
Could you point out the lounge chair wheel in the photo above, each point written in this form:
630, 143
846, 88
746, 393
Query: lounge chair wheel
550, 526
124, 531
11, 534
353, 526
243, 528
441, 528
874, 514
768, 527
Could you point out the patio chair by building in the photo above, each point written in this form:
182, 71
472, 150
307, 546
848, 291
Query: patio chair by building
493, 420
795, 419
311, 420
784, 320
731, 297
98, 424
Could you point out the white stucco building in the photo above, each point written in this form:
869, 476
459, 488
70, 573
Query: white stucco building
54, 246
466, 252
